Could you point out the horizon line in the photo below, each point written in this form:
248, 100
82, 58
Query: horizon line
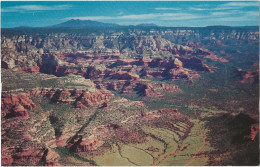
116, 24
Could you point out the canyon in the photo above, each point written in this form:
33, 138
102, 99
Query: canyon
136, 95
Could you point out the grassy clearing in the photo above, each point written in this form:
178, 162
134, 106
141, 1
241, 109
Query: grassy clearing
150, 143
195, 138
189, 147
137, 156
72, 161
207, 112
140, 154
200, 160
167, 136
112, 158
164, 134
175, 161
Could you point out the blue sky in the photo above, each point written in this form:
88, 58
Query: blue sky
167, 13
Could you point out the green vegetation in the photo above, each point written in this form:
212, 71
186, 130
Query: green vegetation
72, 159
112, 158
24, 82
152, 146
137, 156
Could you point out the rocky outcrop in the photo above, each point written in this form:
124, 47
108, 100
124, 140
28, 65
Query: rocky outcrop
93, 73
149, 72
204, 52
19, 105
177, 74
177, 63
254, 131
124, 76
168, 87
115, 85
87, 99
194, 63
83, 145
244, 76
158, 62
99, 66
7, 156
210, 55
16, 105
80, 98
64, 53
139, 41
146, 67
145, 90
180, 62
32, 69
29, 156
183, 50
50, 158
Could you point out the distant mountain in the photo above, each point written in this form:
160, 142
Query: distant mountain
76, 23
24, 27
147, 25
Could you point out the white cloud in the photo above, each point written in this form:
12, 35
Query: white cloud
167, 9
219, 13
23, 8
240, 4
199, 8
236, 13
228, 13
225, 6
241, 16
230, 19
252, 14
236, 5
155, 16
